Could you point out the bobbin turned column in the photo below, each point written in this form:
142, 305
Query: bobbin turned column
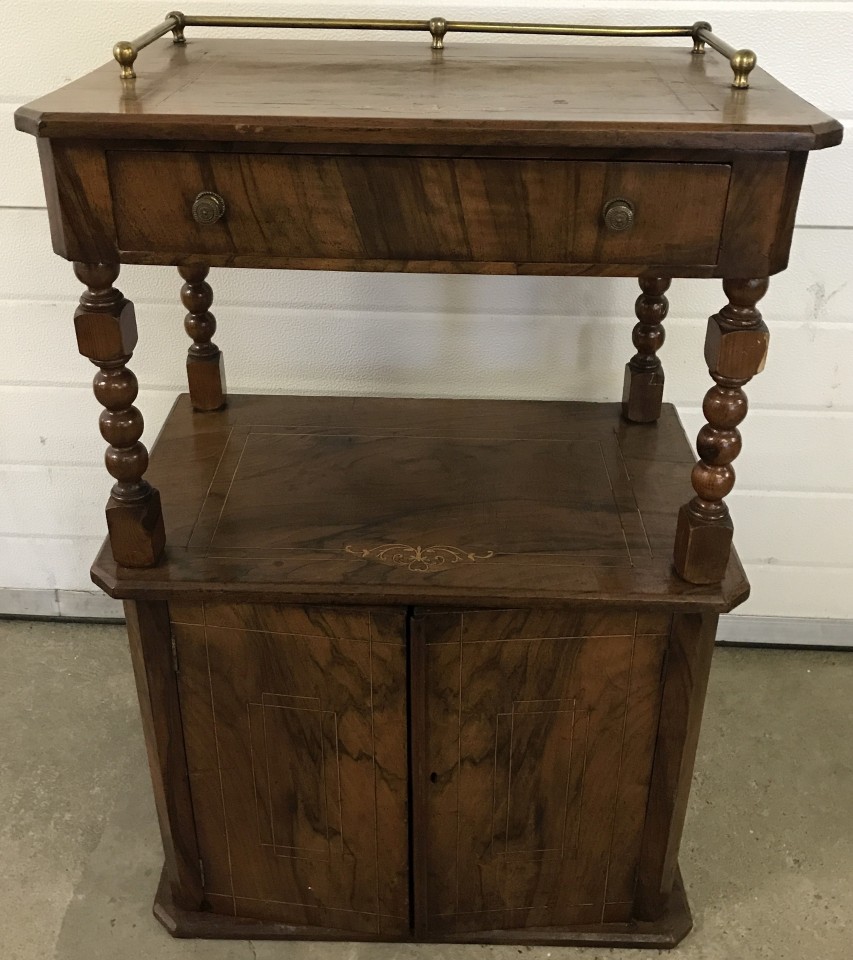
105, 323
735, 350
642, 394
205, 363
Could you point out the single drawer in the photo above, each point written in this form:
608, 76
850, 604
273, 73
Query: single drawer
418, 208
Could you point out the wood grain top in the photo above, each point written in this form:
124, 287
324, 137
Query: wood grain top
318, 499
501, 94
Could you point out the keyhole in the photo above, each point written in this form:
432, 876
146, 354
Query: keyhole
433, 777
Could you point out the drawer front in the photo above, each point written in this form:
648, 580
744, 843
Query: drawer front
420, 208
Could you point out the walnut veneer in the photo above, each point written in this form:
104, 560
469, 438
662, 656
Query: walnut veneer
423, 669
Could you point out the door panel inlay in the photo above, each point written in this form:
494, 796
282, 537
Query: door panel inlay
292, 821
538, 734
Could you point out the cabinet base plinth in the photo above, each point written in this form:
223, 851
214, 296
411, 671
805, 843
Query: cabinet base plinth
661, 934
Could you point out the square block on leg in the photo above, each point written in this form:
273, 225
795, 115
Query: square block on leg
642, 394
702, 547
206, 379
735, 352
137, 534
105, 337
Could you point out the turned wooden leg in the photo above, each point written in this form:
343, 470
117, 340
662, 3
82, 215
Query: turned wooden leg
642, 393
106, 334
205, 363
735, 350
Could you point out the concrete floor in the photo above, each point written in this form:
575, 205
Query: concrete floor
767, 853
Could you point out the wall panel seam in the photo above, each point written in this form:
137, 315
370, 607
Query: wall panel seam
304, 314
803, 565
772, 411
53, 538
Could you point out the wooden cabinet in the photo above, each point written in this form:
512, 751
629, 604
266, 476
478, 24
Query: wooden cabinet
424, 669
360, 729
383, 772
486, 739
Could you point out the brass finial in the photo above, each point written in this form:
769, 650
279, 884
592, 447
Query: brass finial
178, 29
438, 28
698, 39
125, 53
743, 63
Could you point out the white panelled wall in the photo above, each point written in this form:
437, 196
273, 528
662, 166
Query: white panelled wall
546, 338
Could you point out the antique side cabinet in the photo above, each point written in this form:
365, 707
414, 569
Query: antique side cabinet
423, 669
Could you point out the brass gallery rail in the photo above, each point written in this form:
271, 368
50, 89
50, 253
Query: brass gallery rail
742, 61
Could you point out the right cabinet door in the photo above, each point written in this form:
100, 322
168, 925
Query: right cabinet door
538, 735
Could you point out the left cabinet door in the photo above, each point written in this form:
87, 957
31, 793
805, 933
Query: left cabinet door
295, 727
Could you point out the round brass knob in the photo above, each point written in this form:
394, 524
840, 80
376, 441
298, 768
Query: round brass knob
618, 215
208, 207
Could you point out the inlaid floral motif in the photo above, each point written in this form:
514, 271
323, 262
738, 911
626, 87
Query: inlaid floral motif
419, 559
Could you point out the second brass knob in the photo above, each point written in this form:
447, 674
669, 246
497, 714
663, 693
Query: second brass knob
208, 207
618, 215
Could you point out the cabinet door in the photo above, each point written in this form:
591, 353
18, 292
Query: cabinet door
539, 735
295, 727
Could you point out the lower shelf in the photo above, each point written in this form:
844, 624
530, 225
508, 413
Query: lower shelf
422, 502
662, 934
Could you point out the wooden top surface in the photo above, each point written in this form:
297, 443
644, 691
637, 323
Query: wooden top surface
500, 94
484, 503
